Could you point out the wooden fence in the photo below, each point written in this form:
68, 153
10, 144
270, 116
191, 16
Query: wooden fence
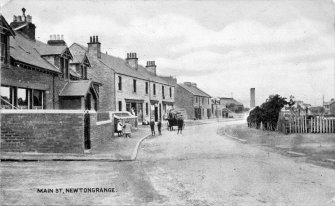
316, 124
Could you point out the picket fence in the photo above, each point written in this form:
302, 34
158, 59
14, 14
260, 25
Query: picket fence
316, 124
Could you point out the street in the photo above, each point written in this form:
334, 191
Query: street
198, 167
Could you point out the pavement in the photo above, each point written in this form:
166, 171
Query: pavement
117, 149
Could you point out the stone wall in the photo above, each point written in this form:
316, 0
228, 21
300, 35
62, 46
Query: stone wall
50, 131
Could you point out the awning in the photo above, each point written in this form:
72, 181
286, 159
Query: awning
77, 88
134, 100
168, 103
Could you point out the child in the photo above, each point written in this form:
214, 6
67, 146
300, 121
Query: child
152, 126
159, 126
119, 129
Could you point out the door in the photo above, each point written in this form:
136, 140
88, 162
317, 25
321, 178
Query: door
156, 114
87, 139
140, 112
88, 102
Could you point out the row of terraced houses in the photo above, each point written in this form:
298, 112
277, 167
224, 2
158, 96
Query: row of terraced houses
47, 90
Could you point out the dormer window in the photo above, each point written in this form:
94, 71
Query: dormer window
4, 48
83, 72
64, 67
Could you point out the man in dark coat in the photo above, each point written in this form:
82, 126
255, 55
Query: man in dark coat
152, 126
180, 123
159, 126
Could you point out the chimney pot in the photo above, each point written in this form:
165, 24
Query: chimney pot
96, 38
62, 37
14, 18
19, 18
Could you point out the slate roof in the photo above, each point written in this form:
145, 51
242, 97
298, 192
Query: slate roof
77, 52
229, 100
120, 66
29, 51
6, 25
194, 90
76, 88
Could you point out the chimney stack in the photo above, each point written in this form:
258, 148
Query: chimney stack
132, 60
94, 47
29, 29
56, 40
151, 67
252, 98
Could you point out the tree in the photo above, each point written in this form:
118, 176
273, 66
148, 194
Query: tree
268, 112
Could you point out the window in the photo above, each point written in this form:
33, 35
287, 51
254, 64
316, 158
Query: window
170, 92
23, 98
62, 65
134, 85
208, 101
146, 108
38, 98
120, 105
120, 83
3, 49
154, 88
146, 88
163, 92
83, 72
203, 100
196, 99
7, 98
66, 62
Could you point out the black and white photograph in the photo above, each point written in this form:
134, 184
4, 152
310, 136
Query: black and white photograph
166, 103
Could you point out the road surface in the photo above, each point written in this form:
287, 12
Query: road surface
198, 167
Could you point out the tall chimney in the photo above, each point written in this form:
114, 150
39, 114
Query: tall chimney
132, 60
29, 29
252, 98
94, 47
151, 67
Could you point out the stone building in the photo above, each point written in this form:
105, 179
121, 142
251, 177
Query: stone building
197, 103
36, 75
127, 86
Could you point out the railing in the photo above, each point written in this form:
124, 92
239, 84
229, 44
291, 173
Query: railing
2, 99
316, 124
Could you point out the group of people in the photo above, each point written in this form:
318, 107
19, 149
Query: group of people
123, 129
152, 126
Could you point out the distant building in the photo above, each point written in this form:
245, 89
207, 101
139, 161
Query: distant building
197, 103
332, 108
231, 104
327, 105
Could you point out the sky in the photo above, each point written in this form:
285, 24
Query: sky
226, 47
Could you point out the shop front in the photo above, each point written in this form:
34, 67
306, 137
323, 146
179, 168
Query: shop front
135, 107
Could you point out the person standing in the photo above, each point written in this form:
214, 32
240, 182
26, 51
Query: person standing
127, 129
159, 126
119, 128
180, 123
152, 126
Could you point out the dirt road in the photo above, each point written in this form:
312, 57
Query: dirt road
196, 168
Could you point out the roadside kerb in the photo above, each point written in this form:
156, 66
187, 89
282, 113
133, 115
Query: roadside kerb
21, 157
235, 138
